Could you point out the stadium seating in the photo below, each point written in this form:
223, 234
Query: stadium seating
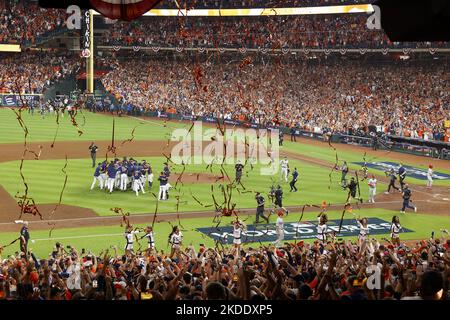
336, 96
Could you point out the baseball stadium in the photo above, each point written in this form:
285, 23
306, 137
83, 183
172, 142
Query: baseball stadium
222, 149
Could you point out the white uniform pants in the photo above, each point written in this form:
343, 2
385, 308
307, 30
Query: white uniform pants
162, 192
150, 178
117, 180
143, 181
104, 181
100, 182
372, 193
137, 185
111, 184
123, 181
284, 174
429, 181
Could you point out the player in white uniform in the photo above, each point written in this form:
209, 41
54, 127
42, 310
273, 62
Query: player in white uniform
322, 228
395, 230
279, 227
123, 177
284, 163
129, 237
137, 183
117, 179
175, 240
372, 182
97, 177
430, 176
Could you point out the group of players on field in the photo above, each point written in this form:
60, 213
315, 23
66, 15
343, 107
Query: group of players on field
132, 174
128, 174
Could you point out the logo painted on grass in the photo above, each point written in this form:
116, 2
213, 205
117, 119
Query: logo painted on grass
412, 172
294, 230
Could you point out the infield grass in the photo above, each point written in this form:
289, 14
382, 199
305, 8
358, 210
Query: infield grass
45, 180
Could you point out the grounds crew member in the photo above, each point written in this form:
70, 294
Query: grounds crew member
260, 208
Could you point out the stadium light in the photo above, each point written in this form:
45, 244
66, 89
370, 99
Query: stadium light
254, 12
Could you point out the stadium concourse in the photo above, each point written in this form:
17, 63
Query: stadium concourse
88, 246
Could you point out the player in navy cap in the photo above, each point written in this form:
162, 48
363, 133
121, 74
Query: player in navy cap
97, 177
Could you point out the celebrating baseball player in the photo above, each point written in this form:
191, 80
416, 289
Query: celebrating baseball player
284, 163
137, 183
124, 176
162, 186
111, 171
344, 170
279, 227
97, 177
430, 176
372, 182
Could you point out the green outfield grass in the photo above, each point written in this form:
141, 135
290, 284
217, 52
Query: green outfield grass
45, 180
95, 126
97, 239
326, 153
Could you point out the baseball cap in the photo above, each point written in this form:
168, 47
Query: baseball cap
120, 285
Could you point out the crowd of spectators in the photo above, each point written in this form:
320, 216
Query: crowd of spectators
340, 270
34, 71
335, 96
23, 21
274, 32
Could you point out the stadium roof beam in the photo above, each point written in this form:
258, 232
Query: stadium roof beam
255, 12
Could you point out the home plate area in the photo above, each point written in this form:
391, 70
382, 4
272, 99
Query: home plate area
296, 231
